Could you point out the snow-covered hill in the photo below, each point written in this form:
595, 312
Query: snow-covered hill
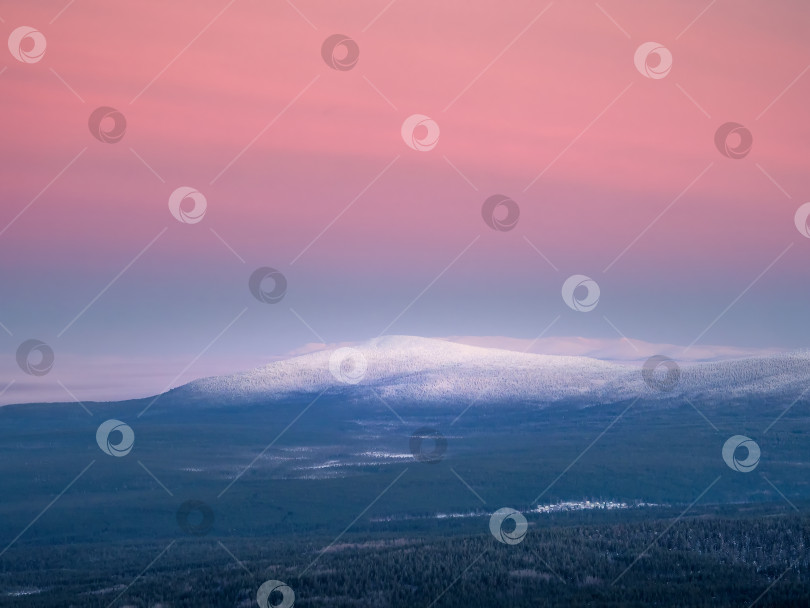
424, 370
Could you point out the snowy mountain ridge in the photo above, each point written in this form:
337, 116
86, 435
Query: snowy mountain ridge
424, 370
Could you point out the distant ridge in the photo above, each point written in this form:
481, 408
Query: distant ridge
434, 371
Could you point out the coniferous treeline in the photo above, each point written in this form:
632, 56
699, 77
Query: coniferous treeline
703, 561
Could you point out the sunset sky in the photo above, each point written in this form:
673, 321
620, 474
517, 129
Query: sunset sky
304, 169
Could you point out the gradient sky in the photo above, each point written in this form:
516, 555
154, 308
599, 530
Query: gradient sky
235, 100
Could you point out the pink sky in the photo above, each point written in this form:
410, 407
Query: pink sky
516, 93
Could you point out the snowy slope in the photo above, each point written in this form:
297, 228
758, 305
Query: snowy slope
424, 370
